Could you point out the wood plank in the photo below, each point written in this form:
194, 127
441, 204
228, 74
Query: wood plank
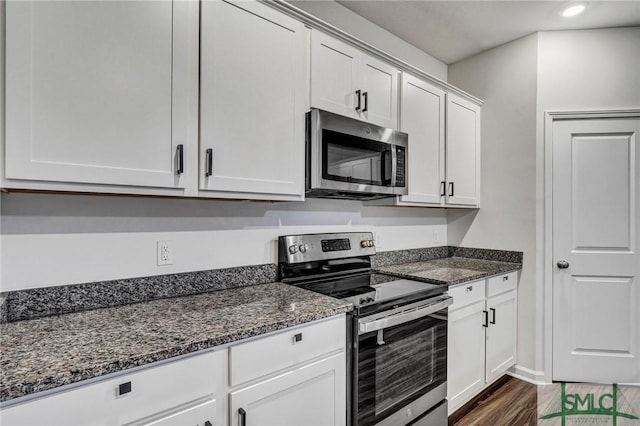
509, 401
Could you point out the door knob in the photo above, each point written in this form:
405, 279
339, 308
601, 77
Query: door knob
563, 264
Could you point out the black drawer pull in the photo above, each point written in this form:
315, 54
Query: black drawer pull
451, 189
485, 319
358, 94
493, 316
366, 101
443, 190
297, 338
124, 388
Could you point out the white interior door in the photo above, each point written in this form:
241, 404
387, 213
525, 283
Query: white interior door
596, 330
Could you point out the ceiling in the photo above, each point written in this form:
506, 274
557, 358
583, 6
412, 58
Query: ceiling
456, 29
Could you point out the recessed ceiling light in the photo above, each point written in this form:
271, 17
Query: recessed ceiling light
573, 10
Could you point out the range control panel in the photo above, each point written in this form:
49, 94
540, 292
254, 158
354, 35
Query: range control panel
311, 247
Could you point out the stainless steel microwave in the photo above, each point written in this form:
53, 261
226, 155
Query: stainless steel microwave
348, 158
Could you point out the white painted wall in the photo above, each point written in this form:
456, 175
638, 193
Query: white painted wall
562, 70
57, 239
354, 24
505, 78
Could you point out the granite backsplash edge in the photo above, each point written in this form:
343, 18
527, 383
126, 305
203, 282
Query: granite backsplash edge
55, 300
47, 301
396, 257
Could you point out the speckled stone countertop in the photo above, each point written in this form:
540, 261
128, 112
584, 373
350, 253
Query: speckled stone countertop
449, 270
45, 353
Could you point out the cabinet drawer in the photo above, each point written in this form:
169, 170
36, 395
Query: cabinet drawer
152, 390
257, 358
466, 293
502, 283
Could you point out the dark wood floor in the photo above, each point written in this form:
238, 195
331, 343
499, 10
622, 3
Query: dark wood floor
511, 404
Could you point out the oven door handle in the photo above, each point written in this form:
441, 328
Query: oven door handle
368, 325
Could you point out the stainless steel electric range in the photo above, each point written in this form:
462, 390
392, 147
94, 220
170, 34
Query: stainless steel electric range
397, 332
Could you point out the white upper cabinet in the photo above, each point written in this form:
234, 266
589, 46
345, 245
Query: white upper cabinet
444, 147
253, 86
422, 118
463, 152
96, 93
347, 81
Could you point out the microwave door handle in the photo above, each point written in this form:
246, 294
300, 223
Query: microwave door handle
394, 165
367, 326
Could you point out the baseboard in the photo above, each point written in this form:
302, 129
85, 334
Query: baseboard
528, 375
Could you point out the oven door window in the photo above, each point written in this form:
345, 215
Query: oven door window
347, 158
397, 365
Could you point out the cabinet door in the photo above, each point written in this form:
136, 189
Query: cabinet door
501, 334
422, 118
95, 92
379, 92
314, 394
252, 99
463, 152
200, 415
465, 354
335, 75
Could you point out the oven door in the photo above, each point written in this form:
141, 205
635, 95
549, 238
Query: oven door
400, 363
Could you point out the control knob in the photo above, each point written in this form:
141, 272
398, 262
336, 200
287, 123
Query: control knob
293, 249
365, 300
303, 248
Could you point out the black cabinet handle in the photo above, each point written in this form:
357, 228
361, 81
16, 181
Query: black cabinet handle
242, 417
358, 93
180, 159
451, 189
124, 388
366, 101
443, 188
485, 319
493, 316
207, 423
208, 162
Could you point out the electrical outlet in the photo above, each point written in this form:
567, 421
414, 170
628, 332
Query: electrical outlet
165, 255
436, 237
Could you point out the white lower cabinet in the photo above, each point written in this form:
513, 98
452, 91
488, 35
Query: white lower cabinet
300, 379
313, 394
481, 336
292, 377
187, 390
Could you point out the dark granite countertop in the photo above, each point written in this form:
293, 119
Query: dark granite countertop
449, 270
46, 353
